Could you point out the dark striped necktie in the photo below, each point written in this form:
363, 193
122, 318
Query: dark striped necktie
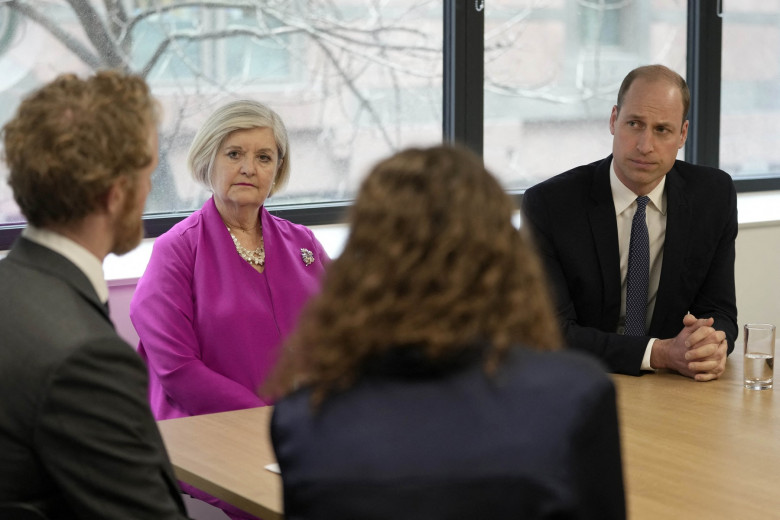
638, 276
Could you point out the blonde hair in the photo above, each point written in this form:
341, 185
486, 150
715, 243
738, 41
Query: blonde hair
238, 115
72, 138
432, 262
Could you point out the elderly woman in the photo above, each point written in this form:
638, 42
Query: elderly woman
225, 285
432, 383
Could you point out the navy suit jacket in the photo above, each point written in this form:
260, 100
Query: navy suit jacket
77, 436
538, 439
572, 218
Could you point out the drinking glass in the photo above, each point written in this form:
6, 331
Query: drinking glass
759, 355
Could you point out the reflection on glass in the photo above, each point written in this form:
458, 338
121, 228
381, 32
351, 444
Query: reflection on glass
552, 72
750, 89
353, 80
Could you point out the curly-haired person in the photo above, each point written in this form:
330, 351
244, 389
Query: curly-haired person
426, 380
77, 435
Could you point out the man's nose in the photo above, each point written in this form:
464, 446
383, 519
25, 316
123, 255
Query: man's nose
645, 142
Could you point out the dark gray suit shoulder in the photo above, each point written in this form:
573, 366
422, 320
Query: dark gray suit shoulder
78, 424
45, 316
573, 180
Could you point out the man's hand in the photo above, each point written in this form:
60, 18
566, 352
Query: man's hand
698, 351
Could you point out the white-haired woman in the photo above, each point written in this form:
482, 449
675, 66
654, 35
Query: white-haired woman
225, 285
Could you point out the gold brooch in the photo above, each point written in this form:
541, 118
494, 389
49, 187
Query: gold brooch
307, 256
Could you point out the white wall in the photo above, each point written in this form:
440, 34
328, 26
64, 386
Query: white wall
757, 271
119, 295
757, 274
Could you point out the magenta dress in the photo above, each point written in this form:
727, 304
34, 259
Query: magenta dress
211, 326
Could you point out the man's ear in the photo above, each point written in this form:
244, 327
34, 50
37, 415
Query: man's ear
612, 118
115, 196
683, 134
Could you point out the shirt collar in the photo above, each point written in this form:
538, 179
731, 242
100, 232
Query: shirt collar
624, 197
88, 263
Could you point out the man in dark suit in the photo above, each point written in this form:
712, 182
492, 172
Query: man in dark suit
77, 437
583, 222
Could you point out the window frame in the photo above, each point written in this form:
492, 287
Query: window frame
463, 120
704, 50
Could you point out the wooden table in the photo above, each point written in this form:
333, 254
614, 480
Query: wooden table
690, 450
699, 450
225, 454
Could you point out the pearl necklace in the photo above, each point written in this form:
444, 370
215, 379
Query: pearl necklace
256, 257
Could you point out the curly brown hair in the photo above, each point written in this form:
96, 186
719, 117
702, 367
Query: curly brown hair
432, 261
72, 138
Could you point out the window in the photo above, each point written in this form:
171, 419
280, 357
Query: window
552, 72
9, 21
600, 22
359, 79
354, 81
750, 89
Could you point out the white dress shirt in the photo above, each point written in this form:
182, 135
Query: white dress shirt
87, 262
625, 207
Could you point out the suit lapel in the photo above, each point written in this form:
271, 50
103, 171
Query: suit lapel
678, 222
54, 264
603, 227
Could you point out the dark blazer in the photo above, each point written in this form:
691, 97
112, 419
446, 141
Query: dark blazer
77, 437
572, 218
537, 440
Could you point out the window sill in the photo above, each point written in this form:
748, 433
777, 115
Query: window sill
756, 209
128, 268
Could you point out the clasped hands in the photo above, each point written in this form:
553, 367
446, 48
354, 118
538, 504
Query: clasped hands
698, 351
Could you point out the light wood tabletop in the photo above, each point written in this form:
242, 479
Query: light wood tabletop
699, 450
690, 450
225, 454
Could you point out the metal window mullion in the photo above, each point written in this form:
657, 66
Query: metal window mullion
705, 43
463, 84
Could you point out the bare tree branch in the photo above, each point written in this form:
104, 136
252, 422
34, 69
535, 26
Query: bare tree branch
199, 36
320, 35
603, 6
116, 17
364, 103
161, 9
547, 93
371, 33
98, 34
75, 46
333, 27
336, 30
372, 43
